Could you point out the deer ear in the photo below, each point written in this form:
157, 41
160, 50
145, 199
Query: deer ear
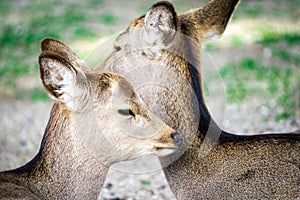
160, 25
57, 47
210, 20
59, 78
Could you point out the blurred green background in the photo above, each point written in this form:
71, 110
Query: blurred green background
260, 50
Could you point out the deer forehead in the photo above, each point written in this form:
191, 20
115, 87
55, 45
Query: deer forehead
102, 80
110, 86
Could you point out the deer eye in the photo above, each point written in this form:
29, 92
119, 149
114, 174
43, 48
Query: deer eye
126, 112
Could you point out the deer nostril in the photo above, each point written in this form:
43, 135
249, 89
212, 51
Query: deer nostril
172, 135
177, 138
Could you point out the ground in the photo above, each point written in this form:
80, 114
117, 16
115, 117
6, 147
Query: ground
251, 75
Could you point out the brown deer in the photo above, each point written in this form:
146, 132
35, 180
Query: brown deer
159, 54
97, 120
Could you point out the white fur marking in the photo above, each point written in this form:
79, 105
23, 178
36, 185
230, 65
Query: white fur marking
212, 35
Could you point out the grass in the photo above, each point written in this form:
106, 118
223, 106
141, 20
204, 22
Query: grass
286, 56
248, 77
38, 95
14, 67
275, 9
25, 25
254, 10
279, 79
211, 46
145, 182
274, 40
107, 18
270, 36
35, 95
236, 40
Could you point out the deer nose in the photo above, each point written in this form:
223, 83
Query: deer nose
177, 138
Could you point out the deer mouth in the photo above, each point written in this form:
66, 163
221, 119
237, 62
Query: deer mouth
169, 143
167, 146
166, 150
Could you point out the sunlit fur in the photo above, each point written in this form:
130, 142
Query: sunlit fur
237, 167
85, 133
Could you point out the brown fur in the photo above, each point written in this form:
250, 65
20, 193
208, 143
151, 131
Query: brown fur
237, 167
64, 167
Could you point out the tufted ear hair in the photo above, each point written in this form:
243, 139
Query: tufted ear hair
160, 25
60, 78
209, 21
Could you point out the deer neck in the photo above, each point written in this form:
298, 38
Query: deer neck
63, 166
188, 113
187, 64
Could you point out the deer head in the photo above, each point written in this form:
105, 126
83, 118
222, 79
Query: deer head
104, 110
169, 44
161, 29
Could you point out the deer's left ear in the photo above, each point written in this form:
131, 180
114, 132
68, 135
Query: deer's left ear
209, 21
160, 24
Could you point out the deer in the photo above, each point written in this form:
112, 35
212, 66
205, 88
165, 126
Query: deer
97, 120
162, 48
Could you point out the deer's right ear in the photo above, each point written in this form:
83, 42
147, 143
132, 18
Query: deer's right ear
160, 24
59, 78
